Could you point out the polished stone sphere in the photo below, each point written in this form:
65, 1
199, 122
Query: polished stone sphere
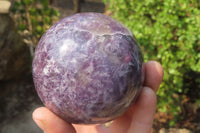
87, 68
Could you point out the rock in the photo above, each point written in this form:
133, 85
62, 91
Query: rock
69, 7
15, 59
174, 130
18, 99
65, 4
21, 124
4, 6
92, 7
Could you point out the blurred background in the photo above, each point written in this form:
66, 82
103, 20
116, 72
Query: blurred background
168, 31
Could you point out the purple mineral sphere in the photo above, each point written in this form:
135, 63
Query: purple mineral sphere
87, 68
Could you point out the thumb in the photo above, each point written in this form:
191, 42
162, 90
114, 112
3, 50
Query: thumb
143, 112
50, 123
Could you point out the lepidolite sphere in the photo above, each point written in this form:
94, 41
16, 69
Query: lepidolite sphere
87, 68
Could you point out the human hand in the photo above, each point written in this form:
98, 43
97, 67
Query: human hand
138, 119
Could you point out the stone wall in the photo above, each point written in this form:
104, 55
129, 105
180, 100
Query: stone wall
68, 7
15, 59
17, 95
4, 6
79, 5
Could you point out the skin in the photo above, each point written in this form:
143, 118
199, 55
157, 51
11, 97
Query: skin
138, 119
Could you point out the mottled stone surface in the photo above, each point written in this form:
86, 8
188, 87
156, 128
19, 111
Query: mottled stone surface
87, 68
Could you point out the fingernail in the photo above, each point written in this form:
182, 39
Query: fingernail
104, 128
41, 124
38, 120
107, 124
143, 73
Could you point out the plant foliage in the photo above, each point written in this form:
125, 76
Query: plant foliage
169, 32
34, 16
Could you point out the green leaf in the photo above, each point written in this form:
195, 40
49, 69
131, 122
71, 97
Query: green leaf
168, 31
27, 2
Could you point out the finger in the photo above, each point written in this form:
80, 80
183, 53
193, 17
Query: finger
143, 112
85, 128
138, 119
50, 123
153, 75
119, 125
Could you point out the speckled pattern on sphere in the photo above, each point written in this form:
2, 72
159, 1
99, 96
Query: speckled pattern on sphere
87, 68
